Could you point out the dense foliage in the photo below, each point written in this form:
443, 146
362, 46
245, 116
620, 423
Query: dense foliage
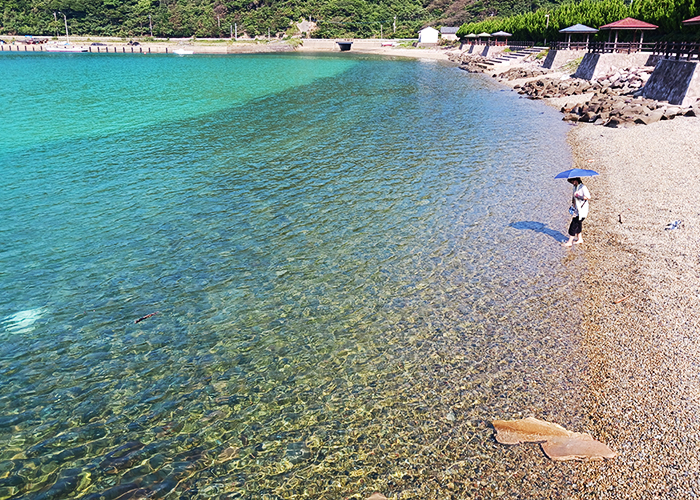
544, 24
526, 19
214, 18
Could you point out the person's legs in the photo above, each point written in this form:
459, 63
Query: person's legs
580, 232
574, 232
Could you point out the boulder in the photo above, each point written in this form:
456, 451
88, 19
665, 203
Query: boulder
577, 446
613, 122
557, 442
588, 117
672, 111
652, 117
527, 430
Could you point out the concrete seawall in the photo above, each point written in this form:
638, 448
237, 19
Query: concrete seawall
557, 58
595, 65
674, 81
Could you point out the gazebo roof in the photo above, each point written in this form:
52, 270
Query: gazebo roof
501, 33
484, 35
692, 20
578, 28
471, 35
629, 23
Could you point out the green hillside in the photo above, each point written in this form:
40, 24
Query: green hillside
216, 18
526, 19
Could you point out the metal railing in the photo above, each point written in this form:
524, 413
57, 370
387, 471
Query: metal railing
497, 43
570, 45
515, 43
670, 50
619, 47
677, 50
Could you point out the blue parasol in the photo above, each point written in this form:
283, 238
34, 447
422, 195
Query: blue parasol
575, 172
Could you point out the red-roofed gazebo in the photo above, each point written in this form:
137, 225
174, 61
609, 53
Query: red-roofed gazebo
692, 21
629, 23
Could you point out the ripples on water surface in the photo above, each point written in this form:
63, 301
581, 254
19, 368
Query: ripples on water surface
354, 263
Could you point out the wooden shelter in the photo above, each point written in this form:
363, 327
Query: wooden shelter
629, 24
501, 34
578, 29
483, 35
471, 38
692, 21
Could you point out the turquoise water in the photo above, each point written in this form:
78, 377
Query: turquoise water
353, 262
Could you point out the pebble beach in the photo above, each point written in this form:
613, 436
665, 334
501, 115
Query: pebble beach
641, 306
640, 293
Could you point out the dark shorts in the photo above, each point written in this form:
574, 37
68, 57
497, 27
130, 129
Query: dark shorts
576, 226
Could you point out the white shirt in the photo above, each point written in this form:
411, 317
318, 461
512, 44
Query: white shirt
580, 192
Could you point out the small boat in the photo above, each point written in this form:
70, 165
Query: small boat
65, 48
183, 52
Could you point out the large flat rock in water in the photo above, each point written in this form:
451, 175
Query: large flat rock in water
557, 442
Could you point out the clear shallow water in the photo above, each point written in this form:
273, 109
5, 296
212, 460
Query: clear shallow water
354, 262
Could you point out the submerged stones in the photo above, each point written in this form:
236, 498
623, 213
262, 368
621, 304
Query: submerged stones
557, 442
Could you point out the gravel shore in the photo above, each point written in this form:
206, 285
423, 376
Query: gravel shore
642, 308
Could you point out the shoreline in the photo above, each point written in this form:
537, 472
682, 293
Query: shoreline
639, 301
226, 46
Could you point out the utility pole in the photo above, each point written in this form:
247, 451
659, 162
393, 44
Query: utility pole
235, 26
394, 24
150, 25
55, 18
66, 22
546, 27
231, 27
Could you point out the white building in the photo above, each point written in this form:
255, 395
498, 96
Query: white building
428, 35
449, 32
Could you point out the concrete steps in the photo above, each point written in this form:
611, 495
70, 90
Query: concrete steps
511, 57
